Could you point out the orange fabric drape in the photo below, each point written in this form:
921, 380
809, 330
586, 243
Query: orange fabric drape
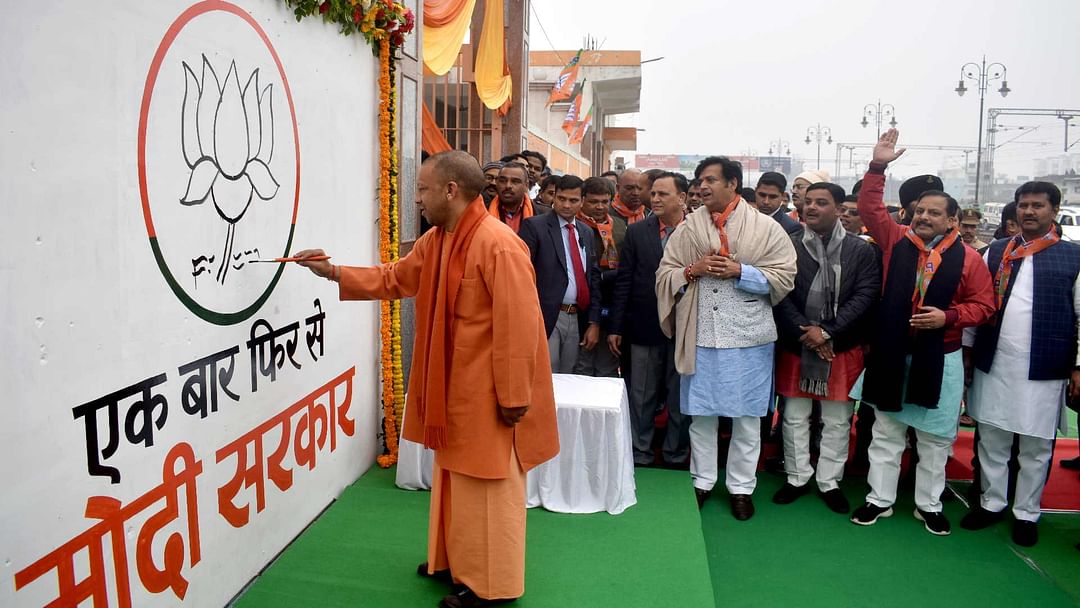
438, 13
432, 139
493, 82
445, 24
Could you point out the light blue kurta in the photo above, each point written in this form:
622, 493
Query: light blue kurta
731, 381
941, 421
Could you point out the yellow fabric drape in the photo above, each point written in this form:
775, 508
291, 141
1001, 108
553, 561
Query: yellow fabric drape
493, 82
445, 24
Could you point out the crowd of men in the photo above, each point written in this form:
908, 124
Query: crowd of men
719, 305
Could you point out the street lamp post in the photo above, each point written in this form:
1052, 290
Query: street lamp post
818, 132
982, 74
779, 145
878, 113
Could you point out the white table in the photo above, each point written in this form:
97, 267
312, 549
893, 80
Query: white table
594, 470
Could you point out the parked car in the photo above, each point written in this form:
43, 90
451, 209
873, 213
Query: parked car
1069, 218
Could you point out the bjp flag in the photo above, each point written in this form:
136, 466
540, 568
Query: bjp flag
564, 84
573, 113
582, 128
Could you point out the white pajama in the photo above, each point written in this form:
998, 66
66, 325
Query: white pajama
995, 446
741, 472
835, 435
886, 450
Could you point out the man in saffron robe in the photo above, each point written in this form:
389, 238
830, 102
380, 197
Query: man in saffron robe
723, 270
477, 313
934, 287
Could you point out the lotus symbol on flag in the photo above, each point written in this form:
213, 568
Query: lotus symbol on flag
227, 133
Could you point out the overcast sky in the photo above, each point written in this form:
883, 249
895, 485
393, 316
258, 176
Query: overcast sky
737, 75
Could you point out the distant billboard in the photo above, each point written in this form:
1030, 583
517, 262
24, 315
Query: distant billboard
656, 161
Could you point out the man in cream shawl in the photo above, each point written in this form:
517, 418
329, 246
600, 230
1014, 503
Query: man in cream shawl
722, 271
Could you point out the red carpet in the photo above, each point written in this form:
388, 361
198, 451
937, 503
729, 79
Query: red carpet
1062, 490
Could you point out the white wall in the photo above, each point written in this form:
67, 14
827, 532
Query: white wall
88, 311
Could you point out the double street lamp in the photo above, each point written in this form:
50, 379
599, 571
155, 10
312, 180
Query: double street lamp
818, 132
982, 74
878, 113
779, 145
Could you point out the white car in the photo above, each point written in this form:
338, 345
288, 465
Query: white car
1069, 218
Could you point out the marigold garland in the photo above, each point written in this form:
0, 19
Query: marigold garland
376, 20
390, 321
384, 24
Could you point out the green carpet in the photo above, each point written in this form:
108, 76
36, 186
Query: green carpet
364, 549
802, 554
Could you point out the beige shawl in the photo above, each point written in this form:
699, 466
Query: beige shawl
755, 239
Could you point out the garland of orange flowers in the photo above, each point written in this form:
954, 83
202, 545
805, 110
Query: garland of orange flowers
395, 247
390, 321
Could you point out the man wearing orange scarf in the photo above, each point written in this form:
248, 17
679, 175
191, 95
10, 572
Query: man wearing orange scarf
608, 234
629, 204
477, 313
512, 205
934, 287
1025, 362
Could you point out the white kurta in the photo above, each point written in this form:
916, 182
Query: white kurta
1006, 398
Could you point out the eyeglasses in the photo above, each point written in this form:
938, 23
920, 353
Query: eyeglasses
851, 212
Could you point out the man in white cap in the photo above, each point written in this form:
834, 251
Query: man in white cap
799, 186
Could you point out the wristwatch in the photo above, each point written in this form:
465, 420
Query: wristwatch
825, 334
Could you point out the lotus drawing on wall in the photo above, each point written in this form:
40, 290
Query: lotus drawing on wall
227, 150
219, 162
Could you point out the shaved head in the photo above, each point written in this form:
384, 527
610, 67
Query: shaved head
629, 176
461, 168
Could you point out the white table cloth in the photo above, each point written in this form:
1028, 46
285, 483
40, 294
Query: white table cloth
594, 470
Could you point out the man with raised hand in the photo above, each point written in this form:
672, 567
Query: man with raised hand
934, 287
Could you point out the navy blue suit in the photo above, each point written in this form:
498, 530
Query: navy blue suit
543, 235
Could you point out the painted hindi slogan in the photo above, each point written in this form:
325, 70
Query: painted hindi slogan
176, 412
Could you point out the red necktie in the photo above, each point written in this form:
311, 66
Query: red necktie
579, 271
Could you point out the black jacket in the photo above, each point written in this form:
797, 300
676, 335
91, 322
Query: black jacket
633, 313
860, 291
792, 226
543, 235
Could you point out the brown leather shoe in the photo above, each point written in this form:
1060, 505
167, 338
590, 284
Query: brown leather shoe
742, 507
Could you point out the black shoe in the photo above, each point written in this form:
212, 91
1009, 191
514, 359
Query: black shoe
980, 518
1072, 464
788, 493
702, 496
835, 500
935, 523
443, 576
775, 465
1025, 533
868, 514
465, 598
947, 495
742, 507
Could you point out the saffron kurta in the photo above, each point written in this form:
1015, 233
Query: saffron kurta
499, 358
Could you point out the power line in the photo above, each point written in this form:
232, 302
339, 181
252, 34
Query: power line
532, 7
